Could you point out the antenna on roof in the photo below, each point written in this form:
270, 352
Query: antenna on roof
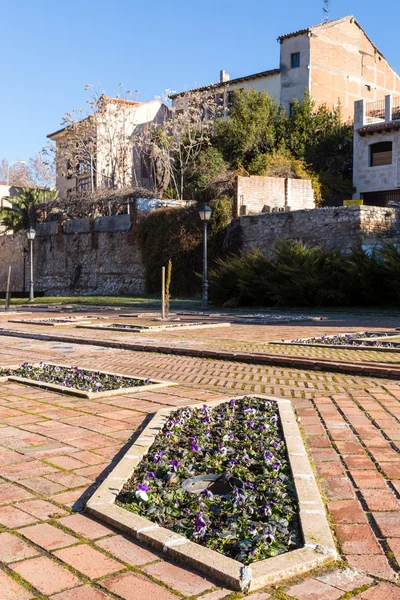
325, 10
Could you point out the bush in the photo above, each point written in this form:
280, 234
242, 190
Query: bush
301, 276
177, 235
280, 163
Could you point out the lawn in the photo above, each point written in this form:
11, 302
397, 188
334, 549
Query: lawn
137, 301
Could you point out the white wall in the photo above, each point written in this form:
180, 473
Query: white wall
294, 81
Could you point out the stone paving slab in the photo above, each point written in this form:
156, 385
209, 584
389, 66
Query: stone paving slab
342, 417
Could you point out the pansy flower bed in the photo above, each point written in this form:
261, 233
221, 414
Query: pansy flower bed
78, 381
362, 339
73, 377
256, 516
52, 321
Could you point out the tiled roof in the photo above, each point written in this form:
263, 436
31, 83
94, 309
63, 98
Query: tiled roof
379, 127
314, 27
230, 81
115, 100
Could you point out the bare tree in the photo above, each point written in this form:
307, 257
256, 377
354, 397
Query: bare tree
17, 173
174, 145
97, 141
42, 170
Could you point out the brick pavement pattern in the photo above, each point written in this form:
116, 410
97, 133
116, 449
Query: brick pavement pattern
55, 449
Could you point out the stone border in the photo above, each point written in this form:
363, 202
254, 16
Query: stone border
155, 328
154, 385
319, 547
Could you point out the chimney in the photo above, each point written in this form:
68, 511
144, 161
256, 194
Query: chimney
223, 76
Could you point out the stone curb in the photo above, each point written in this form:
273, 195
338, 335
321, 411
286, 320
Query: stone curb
363, 369
319, 547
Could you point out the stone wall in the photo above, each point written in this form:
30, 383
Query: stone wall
80, 257
342, 228
257, 194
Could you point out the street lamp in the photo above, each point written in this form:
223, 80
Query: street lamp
205, 214
25, 253
31, 236
22, 162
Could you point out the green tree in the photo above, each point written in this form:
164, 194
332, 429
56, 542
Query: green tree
208, 167
26, 209
251, 128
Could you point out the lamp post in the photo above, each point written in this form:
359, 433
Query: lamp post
25, 253
22, 162
205, 214
31, 236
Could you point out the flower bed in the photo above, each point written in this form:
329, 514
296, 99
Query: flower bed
77, 381
140, 328
362, 339
73, 377
53, 321
241, 440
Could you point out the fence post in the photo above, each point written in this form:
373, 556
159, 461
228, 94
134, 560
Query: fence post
163, 293
8, 292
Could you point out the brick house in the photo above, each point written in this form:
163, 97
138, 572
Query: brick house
336, 61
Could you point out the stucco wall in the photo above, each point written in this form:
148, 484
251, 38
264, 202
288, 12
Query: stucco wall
342, 228
380, 178
294, 81
81, 258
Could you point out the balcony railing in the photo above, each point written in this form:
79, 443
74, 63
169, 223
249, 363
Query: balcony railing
375, 112
396, 109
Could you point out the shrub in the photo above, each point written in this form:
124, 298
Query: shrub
177, 235
302, 276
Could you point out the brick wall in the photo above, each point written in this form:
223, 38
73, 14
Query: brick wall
342, 228
256, 192
345, 66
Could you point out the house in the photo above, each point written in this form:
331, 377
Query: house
101, 150
336, 61
376, 170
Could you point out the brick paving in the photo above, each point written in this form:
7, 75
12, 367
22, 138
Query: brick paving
55, 449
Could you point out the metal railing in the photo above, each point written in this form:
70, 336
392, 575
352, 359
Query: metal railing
396, 109
375, 112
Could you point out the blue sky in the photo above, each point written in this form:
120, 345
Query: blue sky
51, 49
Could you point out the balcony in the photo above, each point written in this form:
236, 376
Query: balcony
375, 112
396, 109
377, 115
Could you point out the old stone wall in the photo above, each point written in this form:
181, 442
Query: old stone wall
80, 257
256, 194
340, 228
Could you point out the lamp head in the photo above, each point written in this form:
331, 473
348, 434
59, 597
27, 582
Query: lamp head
205, 212
30, 234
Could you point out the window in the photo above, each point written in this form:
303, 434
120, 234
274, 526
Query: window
83, 168
219, 99
84, 185
295, 60
291, 109
380, 154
